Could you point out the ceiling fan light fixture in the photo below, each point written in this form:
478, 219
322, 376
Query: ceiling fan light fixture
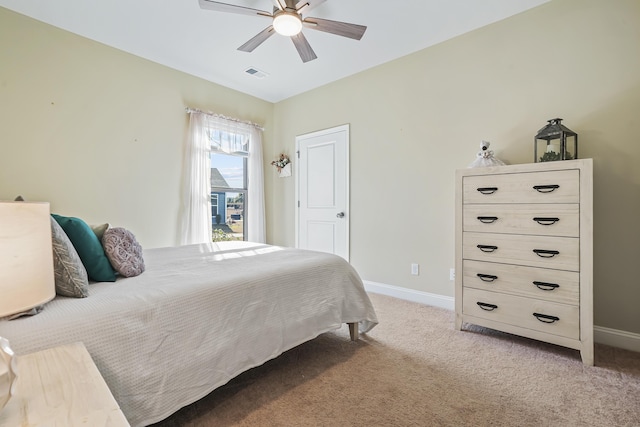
287, 23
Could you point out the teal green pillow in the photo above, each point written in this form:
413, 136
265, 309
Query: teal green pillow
89, 248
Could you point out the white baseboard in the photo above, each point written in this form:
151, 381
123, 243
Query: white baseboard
602, 335
616, 338
410, 295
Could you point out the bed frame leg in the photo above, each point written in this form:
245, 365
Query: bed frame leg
353, 331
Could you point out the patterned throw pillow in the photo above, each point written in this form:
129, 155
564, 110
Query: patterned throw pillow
123, 251
70, 275
89, 248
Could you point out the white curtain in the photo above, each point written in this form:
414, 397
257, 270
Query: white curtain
196, 183
255, 216
211, 133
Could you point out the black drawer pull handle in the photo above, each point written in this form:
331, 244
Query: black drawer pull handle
546, 188
545, 253
487, 277
487, 248
545, 318
546, 221
544, 286
487, 190
487, 219
487, 307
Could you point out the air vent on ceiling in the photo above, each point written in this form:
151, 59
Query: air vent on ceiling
256, 73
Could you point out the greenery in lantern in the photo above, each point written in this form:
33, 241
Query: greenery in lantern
552, 156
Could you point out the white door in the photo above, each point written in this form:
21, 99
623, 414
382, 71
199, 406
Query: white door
322, 188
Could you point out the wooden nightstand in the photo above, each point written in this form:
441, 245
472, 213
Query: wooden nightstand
61, 386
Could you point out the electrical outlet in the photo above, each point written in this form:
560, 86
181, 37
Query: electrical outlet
415, 269
452, 274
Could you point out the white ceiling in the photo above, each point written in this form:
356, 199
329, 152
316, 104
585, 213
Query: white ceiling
181, 35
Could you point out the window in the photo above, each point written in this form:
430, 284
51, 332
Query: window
215, 216
212, 143
229, 186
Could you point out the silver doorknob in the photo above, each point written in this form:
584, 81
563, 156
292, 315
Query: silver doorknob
340, 215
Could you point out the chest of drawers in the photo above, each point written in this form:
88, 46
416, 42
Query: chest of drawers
524, 251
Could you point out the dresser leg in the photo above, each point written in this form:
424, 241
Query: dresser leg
458, 323
587, 356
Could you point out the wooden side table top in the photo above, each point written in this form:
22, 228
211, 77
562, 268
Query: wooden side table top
61, 386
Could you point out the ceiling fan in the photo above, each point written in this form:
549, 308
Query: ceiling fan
287, 19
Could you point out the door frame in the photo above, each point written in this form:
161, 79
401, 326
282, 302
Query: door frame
299, 138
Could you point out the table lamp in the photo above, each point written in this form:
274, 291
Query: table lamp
26, 271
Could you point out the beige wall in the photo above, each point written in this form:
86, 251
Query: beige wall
97, 132
415, 120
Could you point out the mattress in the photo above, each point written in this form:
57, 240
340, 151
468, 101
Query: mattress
196, 318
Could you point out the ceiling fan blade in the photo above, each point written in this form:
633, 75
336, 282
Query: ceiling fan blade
258, 39
304, 48
304, 6
278, 4
344, 29
224, 7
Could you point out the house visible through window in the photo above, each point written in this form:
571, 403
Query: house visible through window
229, 186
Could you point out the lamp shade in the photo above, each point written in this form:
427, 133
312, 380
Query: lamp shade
26, 257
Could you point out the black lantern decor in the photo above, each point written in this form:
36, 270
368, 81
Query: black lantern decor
553, 142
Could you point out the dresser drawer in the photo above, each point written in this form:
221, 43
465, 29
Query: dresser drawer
532, 282
537, 219
561, 253
530, 313
532, 187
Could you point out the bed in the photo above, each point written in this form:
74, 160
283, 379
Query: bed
197, 317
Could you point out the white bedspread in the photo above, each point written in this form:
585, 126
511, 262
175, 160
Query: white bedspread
197, 317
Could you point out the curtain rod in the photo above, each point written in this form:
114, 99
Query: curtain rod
209, 113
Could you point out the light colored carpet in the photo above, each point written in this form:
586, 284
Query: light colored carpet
414, 369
